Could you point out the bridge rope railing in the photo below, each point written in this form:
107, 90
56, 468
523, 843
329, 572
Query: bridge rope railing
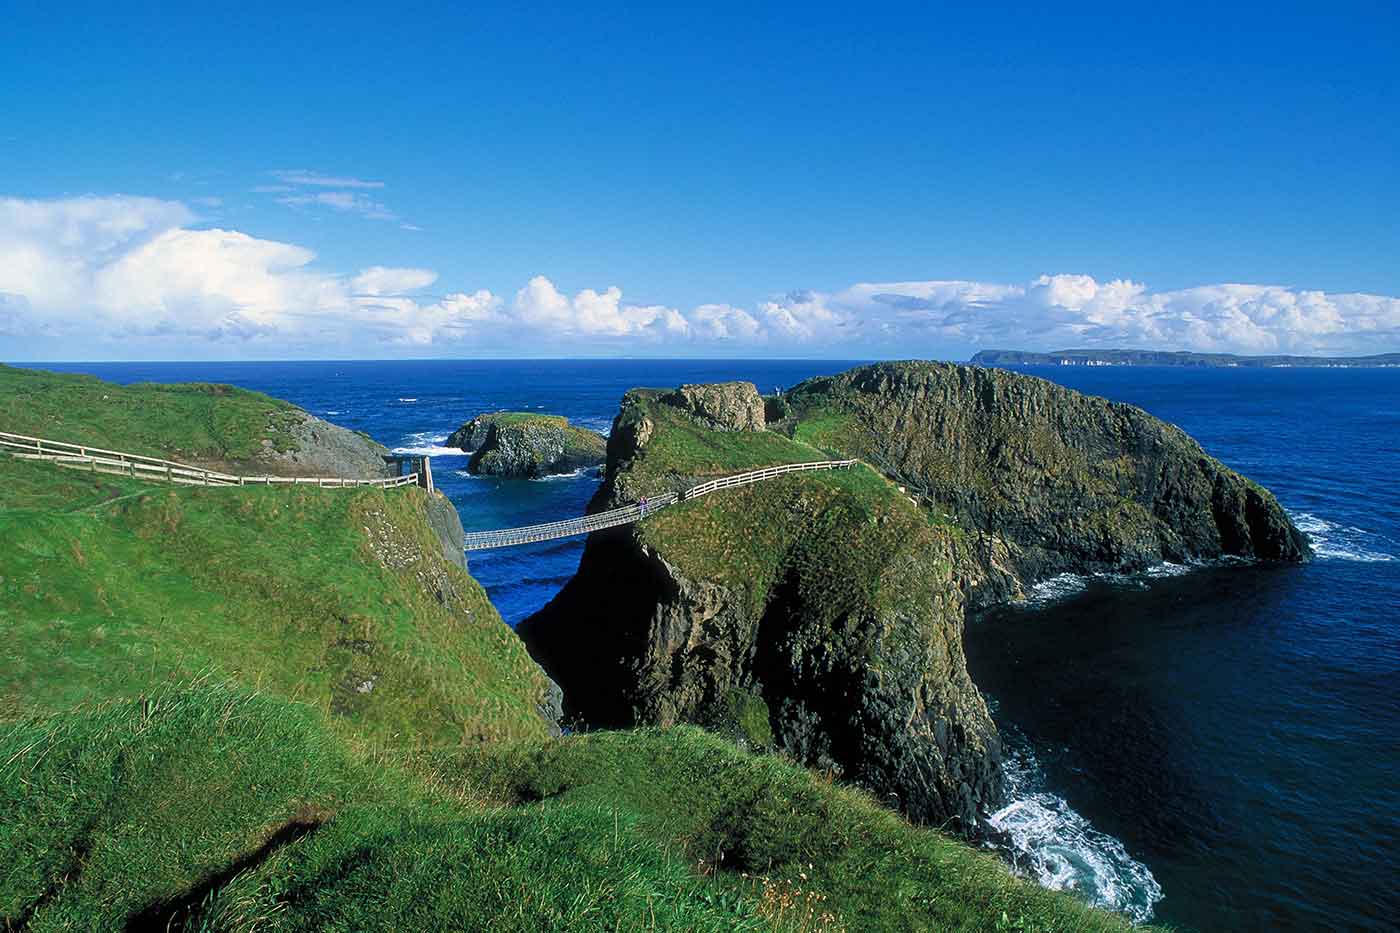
138, 466
627, 514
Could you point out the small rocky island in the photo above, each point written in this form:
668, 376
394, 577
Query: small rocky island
526, 445
822, 614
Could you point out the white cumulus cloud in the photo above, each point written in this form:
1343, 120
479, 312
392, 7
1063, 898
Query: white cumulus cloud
384, 280
122, 269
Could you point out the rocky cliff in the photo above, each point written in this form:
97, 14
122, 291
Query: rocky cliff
822, 614
1045, 480
527, 445
319, 448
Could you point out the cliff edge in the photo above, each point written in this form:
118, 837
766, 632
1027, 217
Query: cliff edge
822, 614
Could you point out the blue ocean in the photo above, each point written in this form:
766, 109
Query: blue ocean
1211, 747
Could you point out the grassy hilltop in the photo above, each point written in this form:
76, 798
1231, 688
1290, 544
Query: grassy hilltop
281, 708
193, 421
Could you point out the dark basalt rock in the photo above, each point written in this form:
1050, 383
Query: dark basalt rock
1051, 480
1018, 480
723, 406
527, 446
471, 435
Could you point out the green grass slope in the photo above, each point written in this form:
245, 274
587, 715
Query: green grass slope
337, 598
206, 807
838, 528
280, 708
211, 809
196, 421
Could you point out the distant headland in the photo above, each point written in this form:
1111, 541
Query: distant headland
1171, 358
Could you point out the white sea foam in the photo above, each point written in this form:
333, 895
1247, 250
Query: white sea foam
573, 474
1334, 541
408, 400
1053, 843
425, 444
602, 425
1167, 569
1064, 585
1053, 589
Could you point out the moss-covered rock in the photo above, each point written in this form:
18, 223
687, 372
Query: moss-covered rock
723, 406
527, 445
836, 601
1051, 480
823, 602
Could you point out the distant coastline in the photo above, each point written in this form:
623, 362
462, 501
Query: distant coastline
1175, 358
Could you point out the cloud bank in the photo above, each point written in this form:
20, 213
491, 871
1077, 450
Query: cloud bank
130, 270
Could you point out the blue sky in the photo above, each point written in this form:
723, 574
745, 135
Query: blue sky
875, 179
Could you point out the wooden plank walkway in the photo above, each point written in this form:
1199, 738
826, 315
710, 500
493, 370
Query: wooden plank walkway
482, 540
136, 466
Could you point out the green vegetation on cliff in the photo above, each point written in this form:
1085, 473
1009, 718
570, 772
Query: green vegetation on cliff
198, 421
339, 598
205, 807
282, 708
831, 599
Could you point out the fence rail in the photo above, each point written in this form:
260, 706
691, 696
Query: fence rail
625, 515
137, 466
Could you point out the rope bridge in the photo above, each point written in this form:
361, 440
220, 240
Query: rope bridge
117, 463
481, 540
100, 460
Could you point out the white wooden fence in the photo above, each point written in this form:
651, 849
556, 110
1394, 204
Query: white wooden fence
101, 460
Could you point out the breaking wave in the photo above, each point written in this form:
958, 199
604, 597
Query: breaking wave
1334, 541
1048, 840
1053, 589
1064, 585
425, 444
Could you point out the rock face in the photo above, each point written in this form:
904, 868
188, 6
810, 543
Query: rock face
447, 525
324, 449
1049, 480
471, 435
723, 406
822, 614
526, 446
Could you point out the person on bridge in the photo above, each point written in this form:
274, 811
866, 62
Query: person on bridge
643, 504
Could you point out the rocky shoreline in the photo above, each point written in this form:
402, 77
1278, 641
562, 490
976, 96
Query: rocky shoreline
826, 621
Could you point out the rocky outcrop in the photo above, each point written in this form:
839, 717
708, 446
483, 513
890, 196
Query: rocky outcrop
527, 446
823, 615
875, 690
320, 448
1048, 479
471, 435
722, 406
447, 525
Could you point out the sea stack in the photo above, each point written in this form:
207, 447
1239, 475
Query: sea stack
526, 445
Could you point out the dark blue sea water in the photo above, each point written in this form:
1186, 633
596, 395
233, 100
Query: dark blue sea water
1218, 747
